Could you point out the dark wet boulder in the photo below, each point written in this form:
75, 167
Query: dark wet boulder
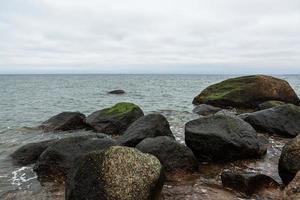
283, 120
247, 92
269, 104
55, 162
29, 153
221, 138
65, 121
171, 154
149, 126
204, 109
116, 119
121, 173
247, 182
117, 92
292, 191
289, 162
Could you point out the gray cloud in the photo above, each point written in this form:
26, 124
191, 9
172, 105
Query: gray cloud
170, 36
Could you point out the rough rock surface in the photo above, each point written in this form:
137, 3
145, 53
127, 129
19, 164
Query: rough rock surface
56, 161
204, 109
149, 126
292, 191
289, 162
247, 92
171, 154
119, 173
247, 182
283, 120
29, 153
116, 119
222, 138
65, 121
270, 104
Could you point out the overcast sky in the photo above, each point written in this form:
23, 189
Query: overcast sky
153, 36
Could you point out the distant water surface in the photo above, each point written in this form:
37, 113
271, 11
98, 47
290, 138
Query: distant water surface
28, 100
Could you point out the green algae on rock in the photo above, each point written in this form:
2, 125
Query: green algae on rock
119, 173
116, 119
247, 92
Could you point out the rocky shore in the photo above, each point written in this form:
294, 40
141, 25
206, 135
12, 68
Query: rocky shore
133, 156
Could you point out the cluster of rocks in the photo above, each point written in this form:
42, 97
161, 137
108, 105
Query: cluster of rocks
130, 154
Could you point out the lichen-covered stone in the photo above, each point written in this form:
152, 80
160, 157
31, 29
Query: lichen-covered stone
289, 162
148, 126
116, 119
119, 173
65, 121
247, 92
222, 138
284, 119
270, 104
171, 154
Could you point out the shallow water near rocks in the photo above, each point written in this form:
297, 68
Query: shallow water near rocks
27, 100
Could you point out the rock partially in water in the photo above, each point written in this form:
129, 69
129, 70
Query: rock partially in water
149, 126
29, 153
55, 162
292, 191
270, 104
116, 119
289, 162
230, 113
121, 173
248, 182
117, 92
65, 121
204, 109
247, 92
283, 120
171, 154
222, 138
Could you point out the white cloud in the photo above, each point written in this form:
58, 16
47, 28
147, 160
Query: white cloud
150, 36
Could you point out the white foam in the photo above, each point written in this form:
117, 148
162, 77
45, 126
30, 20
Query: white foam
22, 175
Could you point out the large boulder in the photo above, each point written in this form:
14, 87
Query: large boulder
65, 121
292, 191
29, 153
289, 162
55, 162
119, 173
248, 182
222, 138
283, 120
247, 92
171, 154
116, 119
149, 126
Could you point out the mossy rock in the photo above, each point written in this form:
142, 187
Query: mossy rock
270, 104
116, 119
119, 173
247, 92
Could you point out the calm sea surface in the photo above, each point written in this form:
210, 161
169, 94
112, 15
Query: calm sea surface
28, 100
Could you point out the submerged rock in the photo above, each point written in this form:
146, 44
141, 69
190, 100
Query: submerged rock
247, 92
29, 153
149, 126
289, 162
56, 161
270, 104
65, 121
292, 191
116, 119
117, 92
171, 154
204, 109
119, 173
222, 138
248, 182
283, 120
